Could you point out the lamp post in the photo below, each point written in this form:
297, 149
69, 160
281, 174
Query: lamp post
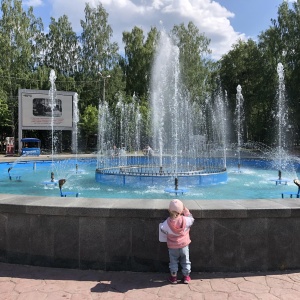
104, 78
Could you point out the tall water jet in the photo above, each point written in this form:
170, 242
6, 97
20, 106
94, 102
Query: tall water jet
52, 96
239, 120
138, 120
75, 121
219, 118
166, 100
281, 117
282, 161
103, 131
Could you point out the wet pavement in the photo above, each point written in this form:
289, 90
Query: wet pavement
19, 282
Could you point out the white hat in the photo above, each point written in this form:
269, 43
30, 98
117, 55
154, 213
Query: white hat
176, 205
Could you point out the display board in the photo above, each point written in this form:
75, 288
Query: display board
38, 111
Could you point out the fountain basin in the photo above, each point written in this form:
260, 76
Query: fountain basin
125, 176
147, 171
122, 234
253, 182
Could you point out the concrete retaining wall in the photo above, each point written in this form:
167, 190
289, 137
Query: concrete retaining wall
119, 234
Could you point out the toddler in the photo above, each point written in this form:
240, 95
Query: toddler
177, 229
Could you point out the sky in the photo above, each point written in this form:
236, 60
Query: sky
224, 22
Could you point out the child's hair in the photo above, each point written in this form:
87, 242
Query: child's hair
173, 214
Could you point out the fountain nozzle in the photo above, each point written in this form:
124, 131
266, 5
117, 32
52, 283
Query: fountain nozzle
160, 170
279, 174
176, 183
297, 182
61, 182
9, 173
52, 176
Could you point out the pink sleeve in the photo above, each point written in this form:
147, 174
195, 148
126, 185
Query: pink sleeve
186, 212
188, 217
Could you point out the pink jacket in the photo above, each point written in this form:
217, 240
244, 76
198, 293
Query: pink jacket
178, 230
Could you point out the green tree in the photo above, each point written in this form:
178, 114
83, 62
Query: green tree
193, 48
62, 52
4, 111
98, 55
138, 60
280, 43
89, 123
17, 32
243, 65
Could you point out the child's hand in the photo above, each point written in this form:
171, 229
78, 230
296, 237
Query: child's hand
185, 211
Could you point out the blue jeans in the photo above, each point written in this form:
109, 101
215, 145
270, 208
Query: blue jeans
181, 256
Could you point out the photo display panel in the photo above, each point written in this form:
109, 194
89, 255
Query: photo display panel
38, 110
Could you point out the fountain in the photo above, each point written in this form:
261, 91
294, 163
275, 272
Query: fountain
53, 108
190, 146
185, 152
282, 122
239, 119
219, 121
42, 229
75, 121
52, 96
282, 161
52, 105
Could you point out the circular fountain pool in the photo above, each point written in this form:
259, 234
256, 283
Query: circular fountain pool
253, 182
138, 170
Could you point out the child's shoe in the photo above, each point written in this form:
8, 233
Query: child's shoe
173, 279
186, 279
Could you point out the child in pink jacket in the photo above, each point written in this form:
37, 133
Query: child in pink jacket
177, 229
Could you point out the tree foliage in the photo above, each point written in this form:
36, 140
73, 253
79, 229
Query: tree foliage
98, 54
89, 123
90, 64
280, 43
62, 49
138, 60
193, 48
243, 65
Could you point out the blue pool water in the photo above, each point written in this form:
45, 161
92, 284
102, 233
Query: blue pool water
254, 182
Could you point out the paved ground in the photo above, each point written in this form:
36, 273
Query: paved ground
18, 282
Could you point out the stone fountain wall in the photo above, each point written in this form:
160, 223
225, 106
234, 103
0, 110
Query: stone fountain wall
119, 234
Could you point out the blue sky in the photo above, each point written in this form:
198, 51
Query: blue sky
252, 16
223, 21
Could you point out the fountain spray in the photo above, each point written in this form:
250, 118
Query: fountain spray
52, 95
239, 119
281, 117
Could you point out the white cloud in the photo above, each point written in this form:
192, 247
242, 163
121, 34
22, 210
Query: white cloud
210, 17
34, 3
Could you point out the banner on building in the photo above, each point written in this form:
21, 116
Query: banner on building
40, 111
